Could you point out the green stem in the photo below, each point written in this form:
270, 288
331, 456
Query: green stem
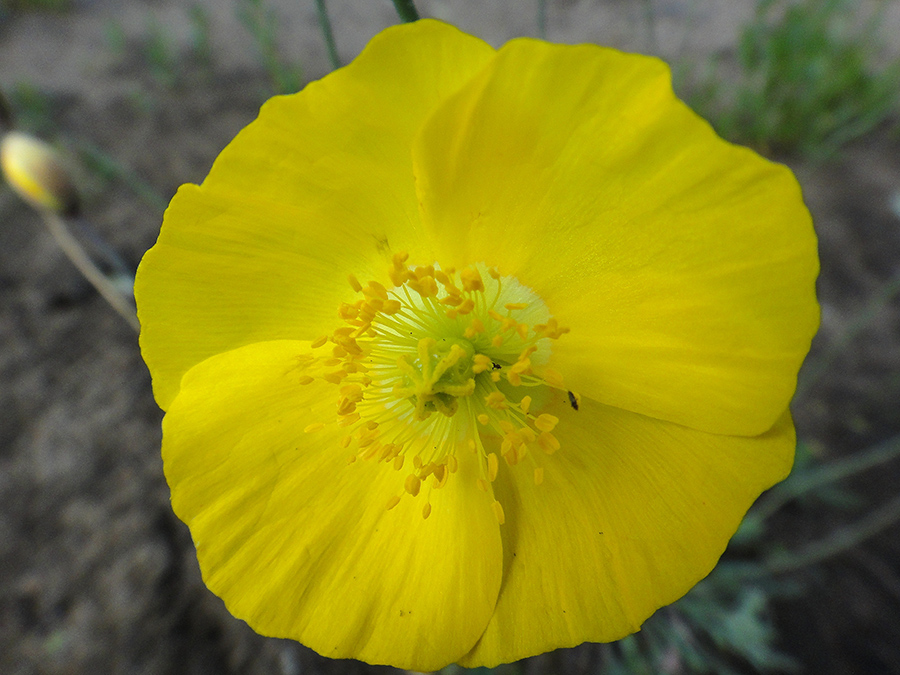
827, 474
816, 369
542, 19
6, 116
406, 10
86, 266
839, 541
328, 34
650, 22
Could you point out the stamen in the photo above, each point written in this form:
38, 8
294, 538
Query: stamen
455, 343
498, 511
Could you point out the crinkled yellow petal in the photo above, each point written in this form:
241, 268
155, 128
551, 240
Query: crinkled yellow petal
300, 544
318, 187
631, 513
683, 265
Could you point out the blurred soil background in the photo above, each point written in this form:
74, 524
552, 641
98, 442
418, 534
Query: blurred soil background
96, 573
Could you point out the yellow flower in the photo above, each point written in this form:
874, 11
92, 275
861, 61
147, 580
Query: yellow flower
471, 354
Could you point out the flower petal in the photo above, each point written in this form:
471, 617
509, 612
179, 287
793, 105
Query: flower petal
683, 265
300, 544
318, 187
631, 513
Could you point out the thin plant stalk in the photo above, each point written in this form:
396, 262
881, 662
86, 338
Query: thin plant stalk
406, 10
863, 320
74, 251
6, 116
650, 24
841, 540
827, 474
328, 34
542, 19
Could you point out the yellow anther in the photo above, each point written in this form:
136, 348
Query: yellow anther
354, 282
412, 484
483, 419
422, 272
351, 459
352, 391
427, 287
496, 316
528, 434
391, 307
345, 441
495, 376
525, 404
506, 426
315, 426
539, 475
335, 378
347, 312
349, 419
522, 330
493, 466
497, 341
548, 442
426, 511
466, 306
318, 342
471, 279
400, 258
494, 273
398, 276
515, 305
496, 400
376, 290
472, 445
398, 462
452, 463
498, 511
474, 329
481, 363
552, 377
417, 462
482, 484
546, 422
522, 366
306, 379
392, 502
452, 289
362, 329
346, 407
442, 277
331, 362
452, 300
339, 352
372, 425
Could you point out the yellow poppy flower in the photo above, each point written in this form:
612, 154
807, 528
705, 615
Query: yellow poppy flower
469, 354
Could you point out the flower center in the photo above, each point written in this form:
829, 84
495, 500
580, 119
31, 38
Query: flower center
440, 365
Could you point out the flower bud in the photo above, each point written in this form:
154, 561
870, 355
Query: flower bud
34, 170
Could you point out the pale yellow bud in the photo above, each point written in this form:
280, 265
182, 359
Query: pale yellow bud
33, 169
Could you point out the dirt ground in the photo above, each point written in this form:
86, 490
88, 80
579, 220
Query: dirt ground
96, 573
